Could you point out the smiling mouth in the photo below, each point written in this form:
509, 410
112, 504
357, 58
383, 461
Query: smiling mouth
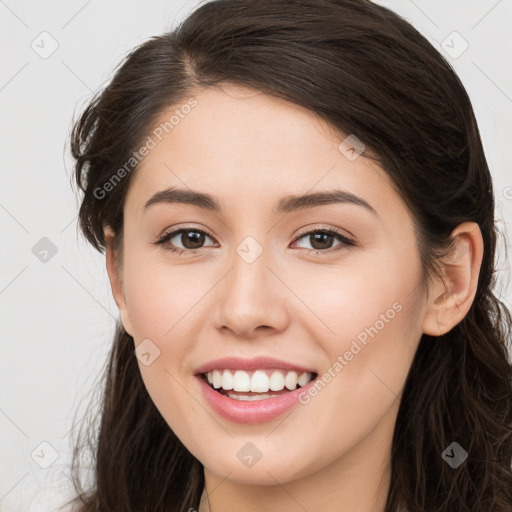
265, 392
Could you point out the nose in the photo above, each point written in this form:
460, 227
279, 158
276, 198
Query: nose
252, 301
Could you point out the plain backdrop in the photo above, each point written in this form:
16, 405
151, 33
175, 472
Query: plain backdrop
56, 308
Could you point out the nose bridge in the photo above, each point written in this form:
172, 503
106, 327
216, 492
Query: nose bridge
250, 267
249, 280
249, 297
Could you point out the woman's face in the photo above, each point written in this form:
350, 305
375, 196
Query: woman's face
264, 282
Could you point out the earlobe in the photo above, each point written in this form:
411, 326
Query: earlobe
115, 279
453, 295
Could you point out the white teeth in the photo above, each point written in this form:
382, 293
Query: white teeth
241, 381
248, 398
303, 379
227, 380
290, 380
217, 379
276, 381
259, 382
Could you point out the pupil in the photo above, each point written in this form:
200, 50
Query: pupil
192, 237
321, 237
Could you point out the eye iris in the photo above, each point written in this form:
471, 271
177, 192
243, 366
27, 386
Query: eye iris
192, 236
321, 237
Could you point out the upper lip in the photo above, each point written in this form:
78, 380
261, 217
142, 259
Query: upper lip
261, 362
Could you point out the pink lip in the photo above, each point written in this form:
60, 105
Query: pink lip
251, 412
258, 363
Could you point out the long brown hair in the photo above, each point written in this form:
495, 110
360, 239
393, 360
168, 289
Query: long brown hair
367, 72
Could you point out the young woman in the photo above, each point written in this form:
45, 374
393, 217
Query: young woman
298, 223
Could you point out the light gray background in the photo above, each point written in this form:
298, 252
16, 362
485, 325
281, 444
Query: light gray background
57, 317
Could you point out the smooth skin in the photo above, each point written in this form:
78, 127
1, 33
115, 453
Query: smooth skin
249, 150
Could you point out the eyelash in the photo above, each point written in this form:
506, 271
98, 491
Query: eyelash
345, 241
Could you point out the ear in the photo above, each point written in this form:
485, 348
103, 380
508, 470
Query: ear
116, 279
452, 295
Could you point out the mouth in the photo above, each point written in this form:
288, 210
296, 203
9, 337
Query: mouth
256, 384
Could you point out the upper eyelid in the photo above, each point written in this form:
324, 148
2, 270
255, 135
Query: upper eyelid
338, 231
177, 231
301, 233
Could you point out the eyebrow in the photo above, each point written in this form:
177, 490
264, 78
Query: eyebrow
286, 204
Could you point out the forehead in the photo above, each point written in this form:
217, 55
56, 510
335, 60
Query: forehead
249, 148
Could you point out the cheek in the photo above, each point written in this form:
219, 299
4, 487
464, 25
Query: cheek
161, 301
163, 304
368, 358
369, 320
161, 296
345, 299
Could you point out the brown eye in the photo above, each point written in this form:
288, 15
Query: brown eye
322, 240
192, 239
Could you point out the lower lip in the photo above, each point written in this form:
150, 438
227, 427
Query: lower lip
251, 412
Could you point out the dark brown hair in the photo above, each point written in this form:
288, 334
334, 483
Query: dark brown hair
367, 72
